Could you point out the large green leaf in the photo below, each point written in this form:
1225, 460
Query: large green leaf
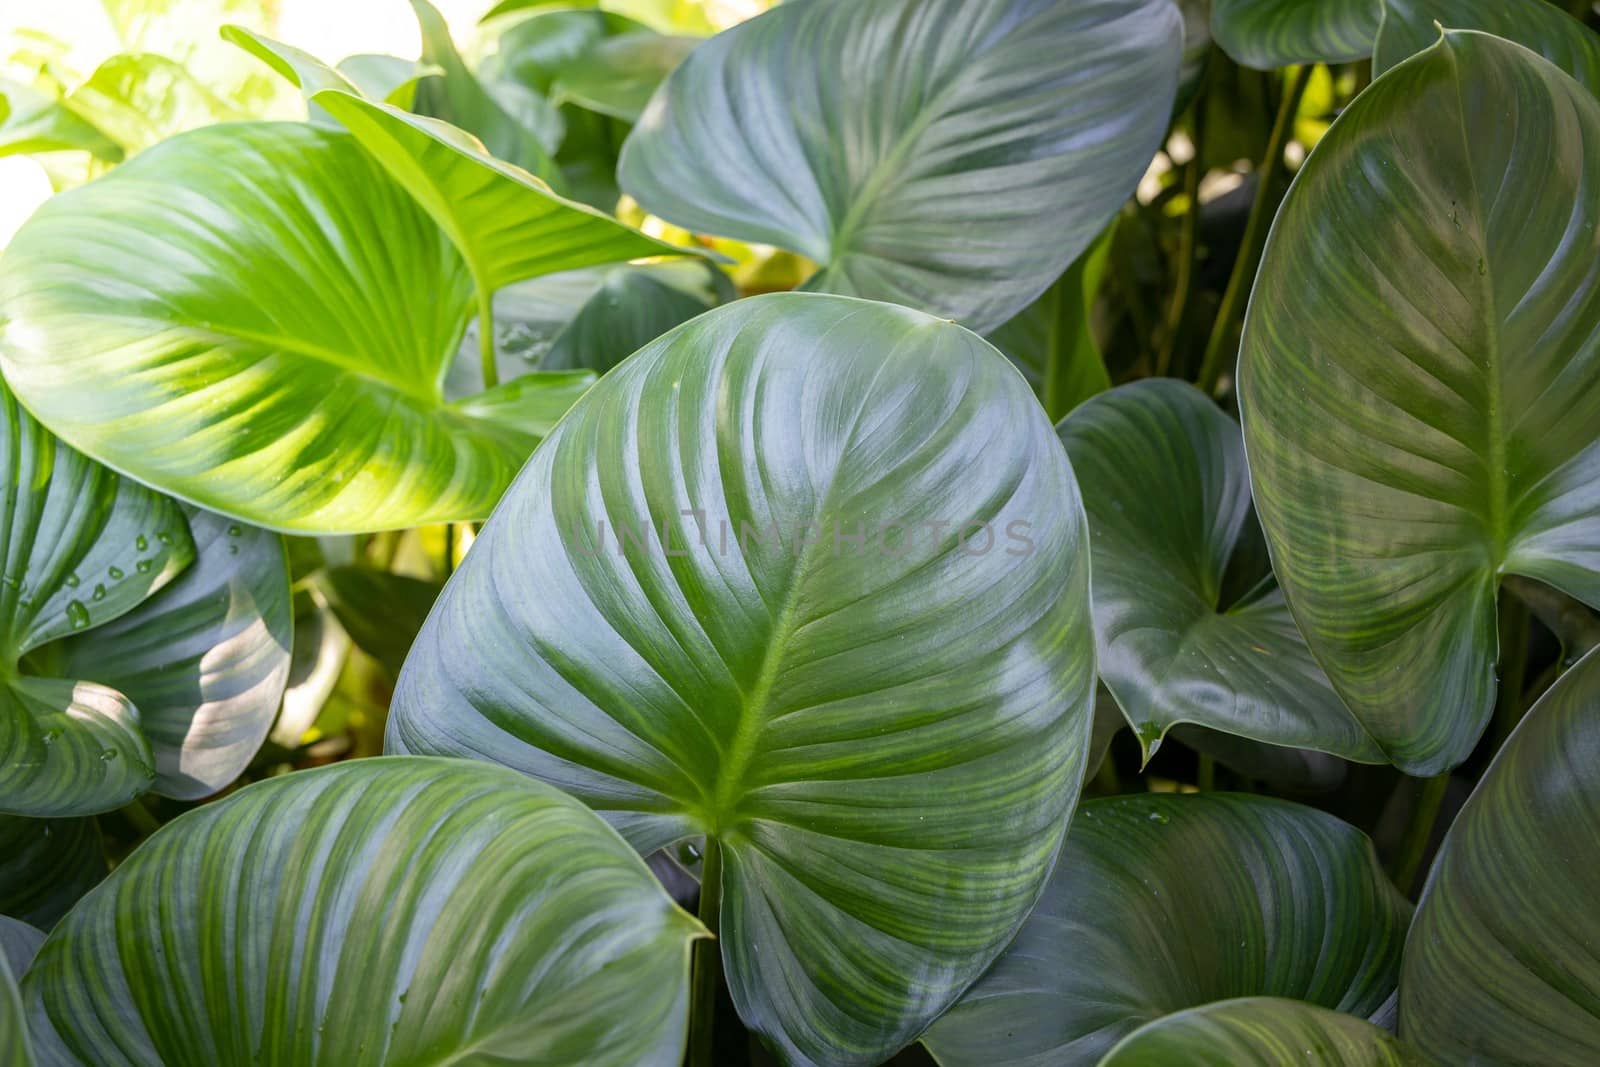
1168, 496
1161, 903
1051, 342
1500, 965
398, 911
951, 155
46, 865
884, 737
1267, 34
258, 319
1410, 26
1420, 381
204, 660
1260, 1032
80, 546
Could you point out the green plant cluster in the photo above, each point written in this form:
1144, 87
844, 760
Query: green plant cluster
987, 532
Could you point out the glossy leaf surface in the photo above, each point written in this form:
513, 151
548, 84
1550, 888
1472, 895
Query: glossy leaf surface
1144, 917
205, 659
46, 865
1168, 496
1499, 962
1260, 1032
258, 319
1420, 381
950, 155
80, 547
886, 737
1409, 27
1267, 34
396, 911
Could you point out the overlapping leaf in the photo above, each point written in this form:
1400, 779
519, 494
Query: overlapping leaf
439, 911
1260, 1032
885, 735
381, 612
1267, 34
1499, 964
1420, 381
951, 155
80, 547
1163, 903
618, 76
204, 660
33, 122
15, 941
1168, 498
1410, 26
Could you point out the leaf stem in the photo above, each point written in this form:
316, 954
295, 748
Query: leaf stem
1250, 246
141, 818
1419, 832
706, 980
491, 372
1513, 627
1183, 284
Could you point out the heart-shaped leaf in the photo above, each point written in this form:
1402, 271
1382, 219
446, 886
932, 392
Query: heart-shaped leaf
441, 911
845, 633
258, 319
1420, 381
1168, 496
46, 865
81, 546
1267, 34
1410, 26
951, 155
204, 660
1161, 903
1051, 341
1500, 963
1260, 1032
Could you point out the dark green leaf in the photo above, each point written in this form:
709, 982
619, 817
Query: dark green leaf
1409, 27
17, 945
440, 912
951, 155
1420, 382
1161, 903
1500, 966
46, 865
81, 547
1260, 1032
381, 612
886, 737
1267, 34
204, 660
1168, 496
1051, 341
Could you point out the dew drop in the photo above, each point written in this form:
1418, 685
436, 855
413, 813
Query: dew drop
164, 537
234, 530
143, 566
50, 737
140, 543
233, 550
72, 581
107, 755
1156, 816
99, 593
77, 614
115, 572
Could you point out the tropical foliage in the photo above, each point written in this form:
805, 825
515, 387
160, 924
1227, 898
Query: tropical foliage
983, 532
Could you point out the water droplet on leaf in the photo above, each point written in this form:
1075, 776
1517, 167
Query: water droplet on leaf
77, 614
